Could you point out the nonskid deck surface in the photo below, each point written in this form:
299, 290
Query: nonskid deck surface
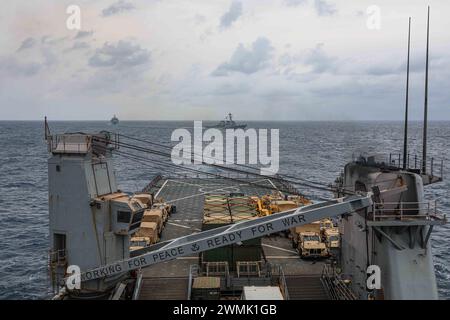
187, 194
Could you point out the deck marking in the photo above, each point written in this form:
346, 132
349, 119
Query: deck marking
162, 187
278, 248
204, 193
181, 226
272, 183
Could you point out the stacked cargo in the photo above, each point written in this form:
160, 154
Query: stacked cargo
145, 198
157, 216
216, 213
148, 230
152, 224
220, 210
244, 209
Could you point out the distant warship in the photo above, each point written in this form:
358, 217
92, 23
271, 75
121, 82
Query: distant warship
228, 123
115, 120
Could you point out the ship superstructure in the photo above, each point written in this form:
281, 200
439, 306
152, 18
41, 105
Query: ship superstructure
228, 123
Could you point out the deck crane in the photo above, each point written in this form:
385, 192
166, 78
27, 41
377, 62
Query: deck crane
236, 233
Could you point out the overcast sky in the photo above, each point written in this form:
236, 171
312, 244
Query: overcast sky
200, 59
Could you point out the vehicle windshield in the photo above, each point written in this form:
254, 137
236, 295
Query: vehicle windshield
311, 238
334, 238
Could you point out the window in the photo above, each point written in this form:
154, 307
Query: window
123, 216
311, 238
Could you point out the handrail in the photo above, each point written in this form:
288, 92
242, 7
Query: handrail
283, 284
192, 269
335, 286
138, 285
425, 210
413, 162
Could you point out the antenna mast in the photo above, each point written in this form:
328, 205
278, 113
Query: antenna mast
425, 115
405, 138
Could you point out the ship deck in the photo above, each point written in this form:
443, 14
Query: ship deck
187, 194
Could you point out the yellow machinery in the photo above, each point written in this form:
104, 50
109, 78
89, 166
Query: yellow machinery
276, 202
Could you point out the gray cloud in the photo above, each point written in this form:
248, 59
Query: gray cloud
232, 88
319, 60
122, 54
117, 8
27, 44
247, 61
80, 45
49, 40
316, 58
12, 67
233, 13
324, 8
294, 3
84, 34
199, 19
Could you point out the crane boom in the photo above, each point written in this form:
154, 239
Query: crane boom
236, 233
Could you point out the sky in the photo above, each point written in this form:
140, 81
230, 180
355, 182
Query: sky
200, 59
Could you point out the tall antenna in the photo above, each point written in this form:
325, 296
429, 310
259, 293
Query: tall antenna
425, 112
405, 138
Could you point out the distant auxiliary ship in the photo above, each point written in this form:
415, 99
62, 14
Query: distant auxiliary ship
228, 123
115, 120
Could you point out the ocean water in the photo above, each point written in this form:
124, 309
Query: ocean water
311, 150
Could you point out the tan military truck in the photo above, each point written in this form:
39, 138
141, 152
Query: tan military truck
306, 239
157, 216
145, 198
137, 243
331, 238
149, 230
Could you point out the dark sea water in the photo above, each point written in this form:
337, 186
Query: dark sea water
313, 150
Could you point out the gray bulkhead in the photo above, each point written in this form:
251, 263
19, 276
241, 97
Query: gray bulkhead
406, 264
74, 181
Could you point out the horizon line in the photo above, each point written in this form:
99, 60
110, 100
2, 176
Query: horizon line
239, 121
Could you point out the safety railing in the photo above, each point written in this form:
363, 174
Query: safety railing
80, 143
193, 273
282, 283
153, 183
212, 175
426, 210
432, 166
248, 268
219, 268
69, 143
57, 263
336, 288
57, 256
